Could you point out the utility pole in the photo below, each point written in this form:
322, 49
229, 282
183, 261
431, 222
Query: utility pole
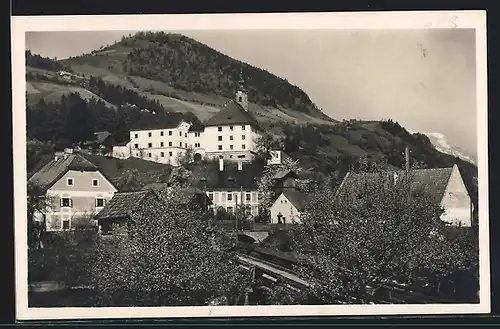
407, 159
236, 218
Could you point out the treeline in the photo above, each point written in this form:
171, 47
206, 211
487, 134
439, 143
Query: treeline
189, 65
44, 63
73, 120
316, 145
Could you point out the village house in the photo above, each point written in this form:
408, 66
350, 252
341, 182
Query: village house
289, 203
75, 189
231, 134
102, 143
445, 186
119, 210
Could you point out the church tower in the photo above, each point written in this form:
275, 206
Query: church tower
241, 95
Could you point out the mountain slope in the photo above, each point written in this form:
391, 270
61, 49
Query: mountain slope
442, 145
171, 68
172, 75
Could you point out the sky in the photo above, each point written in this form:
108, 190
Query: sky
425, 78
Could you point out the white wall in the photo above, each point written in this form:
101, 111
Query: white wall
160, 145
456, 201
286, 208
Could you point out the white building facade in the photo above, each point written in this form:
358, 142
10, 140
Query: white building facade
230, 134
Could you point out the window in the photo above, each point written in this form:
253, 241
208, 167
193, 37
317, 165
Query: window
169, 143
161, 133
229, 196
162, 154
243, 137
197, 145
169, 154
66, 202
180, 133
248, 196
137, 154
230, 138
196, 134
243, 146
65, 224
149, 155
230, 147
220, 147
161, 144
150, 134
243, 127
185, 135
230, 210
231, 128
170, 132
136, 136
219, 138
70, 181
136, 146
219, 128
180, 144
150, 144
231, 156
239, 98
99, 202
95, 182
211, 195
185, 145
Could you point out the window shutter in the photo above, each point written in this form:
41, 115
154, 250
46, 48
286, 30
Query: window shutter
71, 203
61, 202
96, 202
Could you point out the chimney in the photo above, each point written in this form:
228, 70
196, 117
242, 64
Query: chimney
240, 164
221, 164
395, 177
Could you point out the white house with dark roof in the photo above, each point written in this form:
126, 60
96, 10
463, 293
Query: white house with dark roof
74, 188
288, 207
230, 134
444, 186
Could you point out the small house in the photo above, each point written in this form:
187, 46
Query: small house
288, 207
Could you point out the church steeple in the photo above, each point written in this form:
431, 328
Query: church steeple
241, 95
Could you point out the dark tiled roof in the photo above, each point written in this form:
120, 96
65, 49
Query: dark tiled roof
433, 182
231, 114
208, 176
156, 122
185, 194
123, 204
285, 173
49, 174
296, 198
196, 127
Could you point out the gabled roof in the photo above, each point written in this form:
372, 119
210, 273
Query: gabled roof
207, 176
101, 136
196, 128
49, 174
185, 194
430, 181
156, 122
285, 173
231, 114
298, 199
123, 204
124, 143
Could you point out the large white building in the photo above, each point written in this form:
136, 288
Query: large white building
230, 134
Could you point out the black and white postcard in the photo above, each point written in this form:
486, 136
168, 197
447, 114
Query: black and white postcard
238, 165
